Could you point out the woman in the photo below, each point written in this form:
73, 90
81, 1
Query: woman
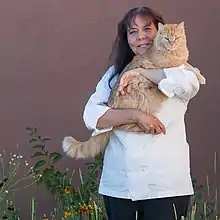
147, 172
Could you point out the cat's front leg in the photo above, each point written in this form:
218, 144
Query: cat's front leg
196, 71
126, 79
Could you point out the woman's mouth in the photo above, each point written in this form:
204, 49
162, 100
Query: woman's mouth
144, 45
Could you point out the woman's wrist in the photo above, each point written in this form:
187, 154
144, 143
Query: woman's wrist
135, 115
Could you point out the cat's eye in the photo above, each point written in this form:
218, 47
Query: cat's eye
166, 38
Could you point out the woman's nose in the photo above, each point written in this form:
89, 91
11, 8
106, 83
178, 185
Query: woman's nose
141, 35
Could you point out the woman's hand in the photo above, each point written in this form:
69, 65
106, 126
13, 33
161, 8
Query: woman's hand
149, 123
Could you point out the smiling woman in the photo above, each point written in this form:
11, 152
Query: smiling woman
140, 173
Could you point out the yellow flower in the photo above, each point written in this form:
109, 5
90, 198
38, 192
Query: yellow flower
67, 213
91, 202
90, 207
83, 208
68, 190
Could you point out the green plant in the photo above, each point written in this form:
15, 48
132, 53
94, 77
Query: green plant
45, 163
71, 203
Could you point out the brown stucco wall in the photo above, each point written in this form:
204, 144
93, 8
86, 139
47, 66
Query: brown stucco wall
52, 53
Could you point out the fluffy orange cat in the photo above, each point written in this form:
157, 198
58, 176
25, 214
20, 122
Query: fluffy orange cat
168, 50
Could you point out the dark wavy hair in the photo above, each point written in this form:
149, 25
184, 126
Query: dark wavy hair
121, 50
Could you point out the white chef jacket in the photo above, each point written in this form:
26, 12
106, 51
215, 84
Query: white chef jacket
141, 166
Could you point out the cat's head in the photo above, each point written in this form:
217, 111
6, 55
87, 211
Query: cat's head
170, 37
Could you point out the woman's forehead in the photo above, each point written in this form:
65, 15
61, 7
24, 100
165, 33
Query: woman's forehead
140, 21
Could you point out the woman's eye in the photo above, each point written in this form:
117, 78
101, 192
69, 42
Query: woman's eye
131, 32
148, 29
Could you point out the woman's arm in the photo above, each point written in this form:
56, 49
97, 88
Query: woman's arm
116, 117
154, 75
174, 81
95, 108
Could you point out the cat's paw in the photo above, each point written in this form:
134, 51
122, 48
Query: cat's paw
202, 79
125, 79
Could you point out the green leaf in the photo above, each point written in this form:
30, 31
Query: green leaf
58, 174
38, 146
55, 157
33, 140
37, 154
39, 165
30, 131
48, 172
45, 139
55, 154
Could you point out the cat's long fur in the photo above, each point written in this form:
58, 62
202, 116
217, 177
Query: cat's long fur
169, 50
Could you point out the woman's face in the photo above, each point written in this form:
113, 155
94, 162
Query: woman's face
141, 35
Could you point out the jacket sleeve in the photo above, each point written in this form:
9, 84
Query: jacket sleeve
179, 82
95, 106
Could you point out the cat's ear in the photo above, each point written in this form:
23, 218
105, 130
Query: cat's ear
181, 28
181, 25
160, 26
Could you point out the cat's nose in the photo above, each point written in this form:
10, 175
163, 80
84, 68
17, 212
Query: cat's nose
171, 41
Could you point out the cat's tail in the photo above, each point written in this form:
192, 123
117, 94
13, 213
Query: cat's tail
83, 150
